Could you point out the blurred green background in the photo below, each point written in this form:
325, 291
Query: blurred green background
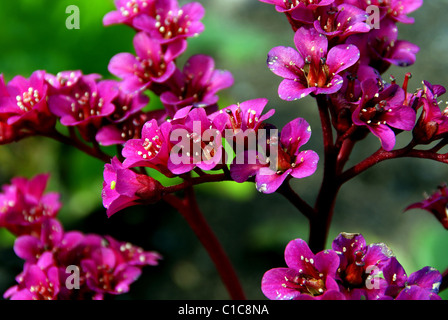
253, 228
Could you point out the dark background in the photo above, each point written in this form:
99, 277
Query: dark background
253, 228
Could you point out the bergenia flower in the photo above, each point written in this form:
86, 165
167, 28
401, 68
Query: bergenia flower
85, 105
420, 285
104, 275
171, 22
436, 203
23, 102
341, 21
127, 10
433, 123
310, 68
151, 149
288, 160
360, 266
24, 206
308, 276
123, 188
197, 84
196, 141
246, 115
153, 62
30, 248
39, 281
381, 109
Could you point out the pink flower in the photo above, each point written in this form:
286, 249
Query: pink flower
38, 281
311, 68
152, 149
154, 63
123, 188
23, 103
308, 276
288, 161
24, 206
381, 109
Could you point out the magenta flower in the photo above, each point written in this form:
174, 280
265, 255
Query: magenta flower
104, 275
151, 150
24, 206
311, 69
380, 110
289, 160
39, 281
23, 102
30, 248
123, 188
420, 285
197, 84
153, 62
308, 276
436, 203
360, 266
245, 116
171, 22
433, 123
341, 21
127, 10
85, 105
196, 141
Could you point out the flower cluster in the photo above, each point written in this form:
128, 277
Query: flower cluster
351, 270
59, 264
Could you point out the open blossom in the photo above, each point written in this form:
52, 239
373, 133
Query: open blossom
381, 109
420, 285
171, 22
152, 63
341, 21
197, 84
196, 141
24, 205
151, 149
311, 68
433, 123
123, 188
23, 102
38, 281
360, 266
84, 105
288, 159
308, 276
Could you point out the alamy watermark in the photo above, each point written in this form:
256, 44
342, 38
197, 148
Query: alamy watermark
72, 21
